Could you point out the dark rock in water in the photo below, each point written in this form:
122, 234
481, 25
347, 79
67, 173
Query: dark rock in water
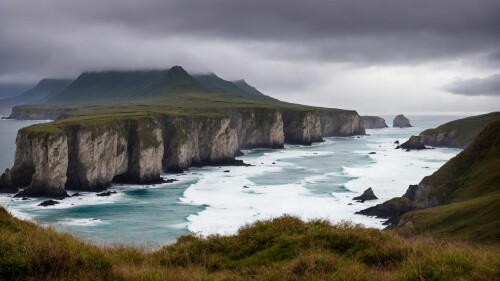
414, 143
390, 209
226, 171
93, 219
396, 142
171, 180
349, 204
25, 198
48, 203
372, 153
367, 195
274, 163
108, 193
358, 137
245, 186
401, 122
76, 194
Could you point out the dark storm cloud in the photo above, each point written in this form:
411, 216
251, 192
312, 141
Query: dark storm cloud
51, 35
488, 86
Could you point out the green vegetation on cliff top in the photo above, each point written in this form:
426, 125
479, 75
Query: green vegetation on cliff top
468, 190
465, 129
285, 248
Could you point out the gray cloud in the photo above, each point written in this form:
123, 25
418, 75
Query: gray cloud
49, 35
374, 56
488, 86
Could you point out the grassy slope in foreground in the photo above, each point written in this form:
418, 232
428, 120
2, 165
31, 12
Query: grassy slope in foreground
282, 249
468, 190
458, 133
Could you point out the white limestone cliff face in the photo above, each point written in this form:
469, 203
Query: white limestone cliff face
258, 127
40, 163
197, 141
341, 123
90, 156
128, 148
301, 127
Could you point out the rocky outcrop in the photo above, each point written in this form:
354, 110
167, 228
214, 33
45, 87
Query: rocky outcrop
401, 121
441, 139
340, 123
26, 112
301, 127
416, 197
367, 195
414, 143
390, 209
373, 122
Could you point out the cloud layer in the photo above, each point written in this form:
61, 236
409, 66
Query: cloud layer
488, 86
286, 48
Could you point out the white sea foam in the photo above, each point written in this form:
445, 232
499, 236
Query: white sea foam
233, 200
81, 221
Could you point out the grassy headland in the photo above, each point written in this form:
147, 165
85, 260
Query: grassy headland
467, 188
458, 133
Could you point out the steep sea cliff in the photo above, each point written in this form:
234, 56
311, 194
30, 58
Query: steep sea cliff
90, 155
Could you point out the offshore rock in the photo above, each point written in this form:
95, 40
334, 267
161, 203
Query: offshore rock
401, 121
367, 195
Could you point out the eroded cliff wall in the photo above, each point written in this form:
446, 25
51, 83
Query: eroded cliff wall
198, 140
89, 155
41, 162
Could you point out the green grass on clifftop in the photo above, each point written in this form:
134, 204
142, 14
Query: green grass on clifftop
285, 248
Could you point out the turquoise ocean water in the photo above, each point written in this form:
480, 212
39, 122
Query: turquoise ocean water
315, 181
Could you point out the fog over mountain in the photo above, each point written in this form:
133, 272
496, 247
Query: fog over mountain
385, 56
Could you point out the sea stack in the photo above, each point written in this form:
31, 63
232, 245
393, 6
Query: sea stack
401, 122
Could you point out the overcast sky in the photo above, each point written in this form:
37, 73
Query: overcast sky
375, 56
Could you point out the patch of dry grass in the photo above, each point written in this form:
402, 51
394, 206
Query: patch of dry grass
285, 248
